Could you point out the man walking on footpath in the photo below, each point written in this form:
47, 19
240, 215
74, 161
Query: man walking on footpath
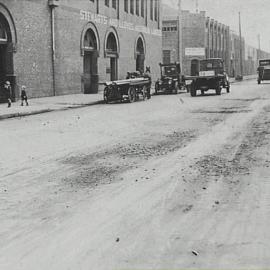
23, 95
7, 89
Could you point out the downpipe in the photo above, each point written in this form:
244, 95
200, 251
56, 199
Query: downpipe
53, 4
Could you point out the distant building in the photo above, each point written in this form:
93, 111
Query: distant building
203, 37
59, 47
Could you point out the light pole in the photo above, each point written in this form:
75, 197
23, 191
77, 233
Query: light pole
241, 56
259, 46
179, 41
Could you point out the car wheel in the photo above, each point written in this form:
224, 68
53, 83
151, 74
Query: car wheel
228, 88
193, 91
105, 95
218, 89
156, 88
202, 92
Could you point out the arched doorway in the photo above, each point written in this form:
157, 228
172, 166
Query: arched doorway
111, 52
194, 67
90, 62
6, 54
140, 55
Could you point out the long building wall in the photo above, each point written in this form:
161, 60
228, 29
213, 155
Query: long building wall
207, 38
136, 35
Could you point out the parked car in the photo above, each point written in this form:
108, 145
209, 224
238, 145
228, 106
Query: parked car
263, 70
211, 75
170, 80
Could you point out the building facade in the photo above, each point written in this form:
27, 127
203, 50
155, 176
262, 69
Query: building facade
58, 47
203, 37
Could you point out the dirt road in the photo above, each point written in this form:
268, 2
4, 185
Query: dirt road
170, 183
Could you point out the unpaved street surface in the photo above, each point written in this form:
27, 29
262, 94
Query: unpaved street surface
170, 183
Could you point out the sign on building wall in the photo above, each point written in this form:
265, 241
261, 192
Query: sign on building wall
101, 19
195, 51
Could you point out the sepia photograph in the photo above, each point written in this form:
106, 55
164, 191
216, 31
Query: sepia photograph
134, 134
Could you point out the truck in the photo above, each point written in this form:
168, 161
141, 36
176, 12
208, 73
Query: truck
211, 75
263, 70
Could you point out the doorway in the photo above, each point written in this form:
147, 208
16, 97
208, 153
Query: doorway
113, 68
140, 55
194, 67
90, 63
6, 56
112, 54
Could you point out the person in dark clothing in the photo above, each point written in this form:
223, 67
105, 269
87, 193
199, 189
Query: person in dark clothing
7, 89
23, 95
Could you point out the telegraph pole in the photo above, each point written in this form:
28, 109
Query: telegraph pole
180, 40
259, 46
240, 36
197, 6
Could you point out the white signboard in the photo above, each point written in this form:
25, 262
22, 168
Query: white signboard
207, 73
195, 51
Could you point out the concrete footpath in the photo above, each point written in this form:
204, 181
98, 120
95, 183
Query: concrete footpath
58, 103
49, 104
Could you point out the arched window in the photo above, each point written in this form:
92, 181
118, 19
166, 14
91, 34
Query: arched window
111, 45
3, 33
90, 41
140, 47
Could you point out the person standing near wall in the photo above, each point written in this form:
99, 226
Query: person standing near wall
23, 95
8, 92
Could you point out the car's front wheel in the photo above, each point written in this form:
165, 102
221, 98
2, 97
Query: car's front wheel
228, 88
193, 91
218, 89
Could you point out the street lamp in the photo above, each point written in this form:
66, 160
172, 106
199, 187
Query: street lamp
241, 56
179, 41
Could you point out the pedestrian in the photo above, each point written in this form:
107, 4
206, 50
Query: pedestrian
23, 95
8, 94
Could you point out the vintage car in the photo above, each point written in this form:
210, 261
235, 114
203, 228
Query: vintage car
211, 75
263, 70
134, 86
170, 80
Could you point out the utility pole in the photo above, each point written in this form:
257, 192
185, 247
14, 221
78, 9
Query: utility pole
180, 40
197, 6
259, 46
241, 56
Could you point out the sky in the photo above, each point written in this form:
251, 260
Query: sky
255, 16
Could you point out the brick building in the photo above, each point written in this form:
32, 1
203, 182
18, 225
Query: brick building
203, 37
59, 47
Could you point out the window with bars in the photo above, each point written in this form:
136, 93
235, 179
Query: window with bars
156, 10
151, 9
114, 4
137, 7
132, 6
166, 56
126, 5
169, 29
107, 3
142, 8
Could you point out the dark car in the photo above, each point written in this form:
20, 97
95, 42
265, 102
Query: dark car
263, 70
211, 75
170, 80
